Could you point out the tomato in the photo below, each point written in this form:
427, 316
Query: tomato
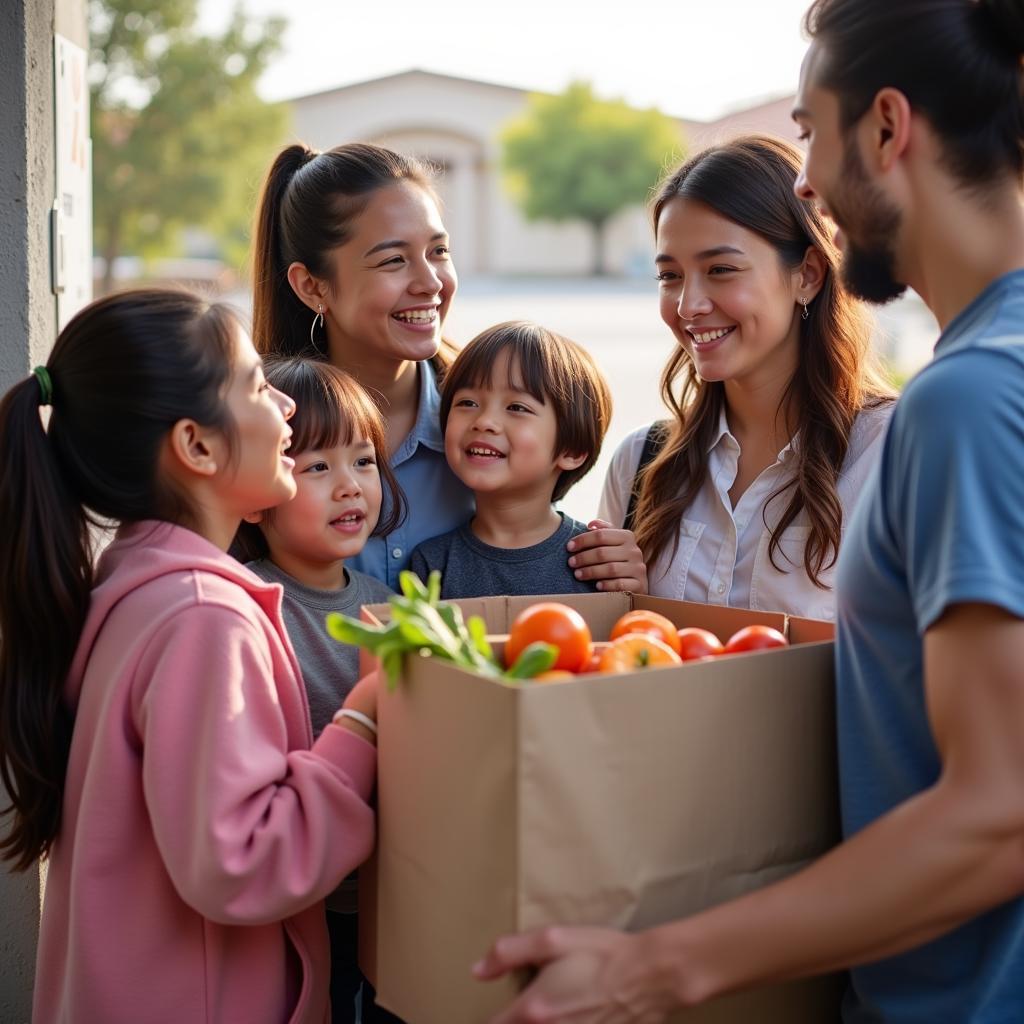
755, 638
593, 664
552, 623
554, 675
647, 622
697, 643
635, 651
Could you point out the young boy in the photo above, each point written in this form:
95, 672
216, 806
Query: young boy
524, 412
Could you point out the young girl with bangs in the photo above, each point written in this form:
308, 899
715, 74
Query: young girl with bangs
155, 736
352, 264
342, 477
741, 498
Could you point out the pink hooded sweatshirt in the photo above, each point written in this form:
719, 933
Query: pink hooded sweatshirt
201, 827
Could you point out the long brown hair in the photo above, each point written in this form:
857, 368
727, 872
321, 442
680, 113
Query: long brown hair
750, 182
331, 408
308, 206
122, 372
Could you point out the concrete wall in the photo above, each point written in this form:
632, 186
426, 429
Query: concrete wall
27, 329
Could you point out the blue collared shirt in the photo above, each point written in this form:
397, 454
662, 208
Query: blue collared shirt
438, 500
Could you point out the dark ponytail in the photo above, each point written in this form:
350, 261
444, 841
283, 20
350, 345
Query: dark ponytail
958, 62
122, 373
308, 207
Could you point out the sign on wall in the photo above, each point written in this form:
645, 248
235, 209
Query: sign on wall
71, 219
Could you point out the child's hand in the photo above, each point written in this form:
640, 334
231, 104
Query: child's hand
363, 696
363, 701
609, 556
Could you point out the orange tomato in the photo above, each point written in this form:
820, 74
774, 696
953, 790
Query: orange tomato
697, 643
593, 664
554, 675
755, 638
635, 651
552, 623
647, 622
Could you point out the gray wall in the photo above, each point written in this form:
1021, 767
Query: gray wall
27, 327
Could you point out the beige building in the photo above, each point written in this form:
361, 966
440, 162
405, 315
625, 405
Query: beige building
456, 124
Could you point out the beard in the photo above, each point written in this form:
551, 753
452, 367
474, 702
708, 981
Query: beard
871, 224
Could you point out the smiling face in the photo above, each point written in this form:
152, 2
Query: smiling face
726, 296
393, 281
835, 179
500, 438
335, 508
260, 474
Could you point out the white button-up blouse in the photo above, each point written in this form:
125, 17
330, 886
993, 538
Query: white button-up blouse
722, 556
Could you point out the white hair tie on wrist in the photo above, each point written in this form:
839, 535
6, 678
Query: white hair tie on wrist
356, 716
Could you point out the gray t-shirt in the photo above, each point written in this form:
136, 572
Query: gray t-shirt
329, 669
471, 568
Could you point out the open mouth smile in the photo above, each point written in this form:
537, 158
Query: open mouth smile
707, 338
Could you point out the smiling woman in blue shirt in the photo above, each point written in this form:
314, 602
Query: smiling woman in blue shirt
352, 263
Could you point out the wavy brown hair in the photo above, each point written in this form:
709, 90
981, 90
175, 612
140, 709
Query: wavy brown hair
750, 181
308, 206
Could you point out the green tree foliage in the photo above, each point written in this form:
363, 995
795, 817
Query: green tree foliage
180, 137
575, 157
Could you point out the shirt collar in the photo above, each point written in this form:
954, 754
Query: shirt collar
724, 432
426, 430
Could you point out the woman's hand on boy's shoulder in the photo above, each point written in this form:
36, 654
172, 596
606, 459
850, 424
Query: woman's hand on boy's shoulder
609, 556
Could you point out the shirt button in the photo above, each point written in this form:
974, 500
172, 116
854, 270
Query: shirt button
396, 552
720, 588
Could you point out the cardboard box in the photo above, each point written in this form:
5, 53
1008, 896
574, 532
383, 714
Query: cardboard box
625, 800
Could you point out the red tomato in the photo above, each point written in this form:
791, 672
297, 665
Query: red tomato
552, 623
647, 622
697, 643
755, 638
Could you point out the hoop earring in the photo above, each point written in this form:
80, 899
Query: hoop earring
312, 328
804, 315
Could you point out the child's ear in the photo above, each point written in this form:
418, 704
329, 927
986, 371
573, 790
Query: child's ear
194, 448
567, 461
255, 518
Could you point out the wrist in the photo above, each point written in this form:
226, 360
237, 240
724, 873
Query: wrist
675, 964
358, 722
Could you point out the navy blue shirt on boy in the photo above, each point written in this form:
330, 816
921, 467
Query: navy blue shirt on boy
940, 523
471, 568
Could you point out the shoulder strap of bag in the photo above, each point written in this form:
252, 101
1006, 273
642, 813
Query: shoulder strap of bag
653, 443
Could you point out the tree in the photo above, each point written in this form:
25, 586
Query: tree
179, 134
575, 157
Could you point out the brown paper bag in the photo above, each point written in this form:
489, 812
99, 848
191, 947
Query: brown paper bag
616, 800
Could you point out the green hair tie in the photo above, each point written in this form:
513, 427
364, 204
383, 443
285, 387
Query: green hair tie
42, 375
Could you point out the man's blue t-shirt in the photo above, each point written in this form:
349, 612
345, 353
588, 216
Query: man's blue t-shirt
940, 523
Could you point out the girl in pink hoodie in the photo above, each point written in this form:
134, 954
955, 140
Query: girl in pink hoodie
154, 733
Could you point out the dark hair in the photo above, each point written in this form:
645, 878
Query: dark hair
123, 371
331, 408
551, 368
308, 205
958, 62
750, 181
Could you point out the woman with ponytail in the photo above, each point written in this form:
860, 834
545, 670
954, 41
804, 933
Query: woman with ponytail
914, 117
352, 264
154, 734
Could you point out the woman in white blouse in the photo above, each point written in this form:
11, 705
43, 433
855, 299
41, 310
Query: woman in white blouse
778, 409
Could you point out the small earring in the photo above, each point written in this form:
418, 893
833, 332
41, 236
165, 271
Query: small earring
312, 327
804, 315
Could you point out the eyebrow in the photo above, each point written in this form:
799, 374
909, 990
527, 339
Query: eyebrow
707, 254
398, 243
